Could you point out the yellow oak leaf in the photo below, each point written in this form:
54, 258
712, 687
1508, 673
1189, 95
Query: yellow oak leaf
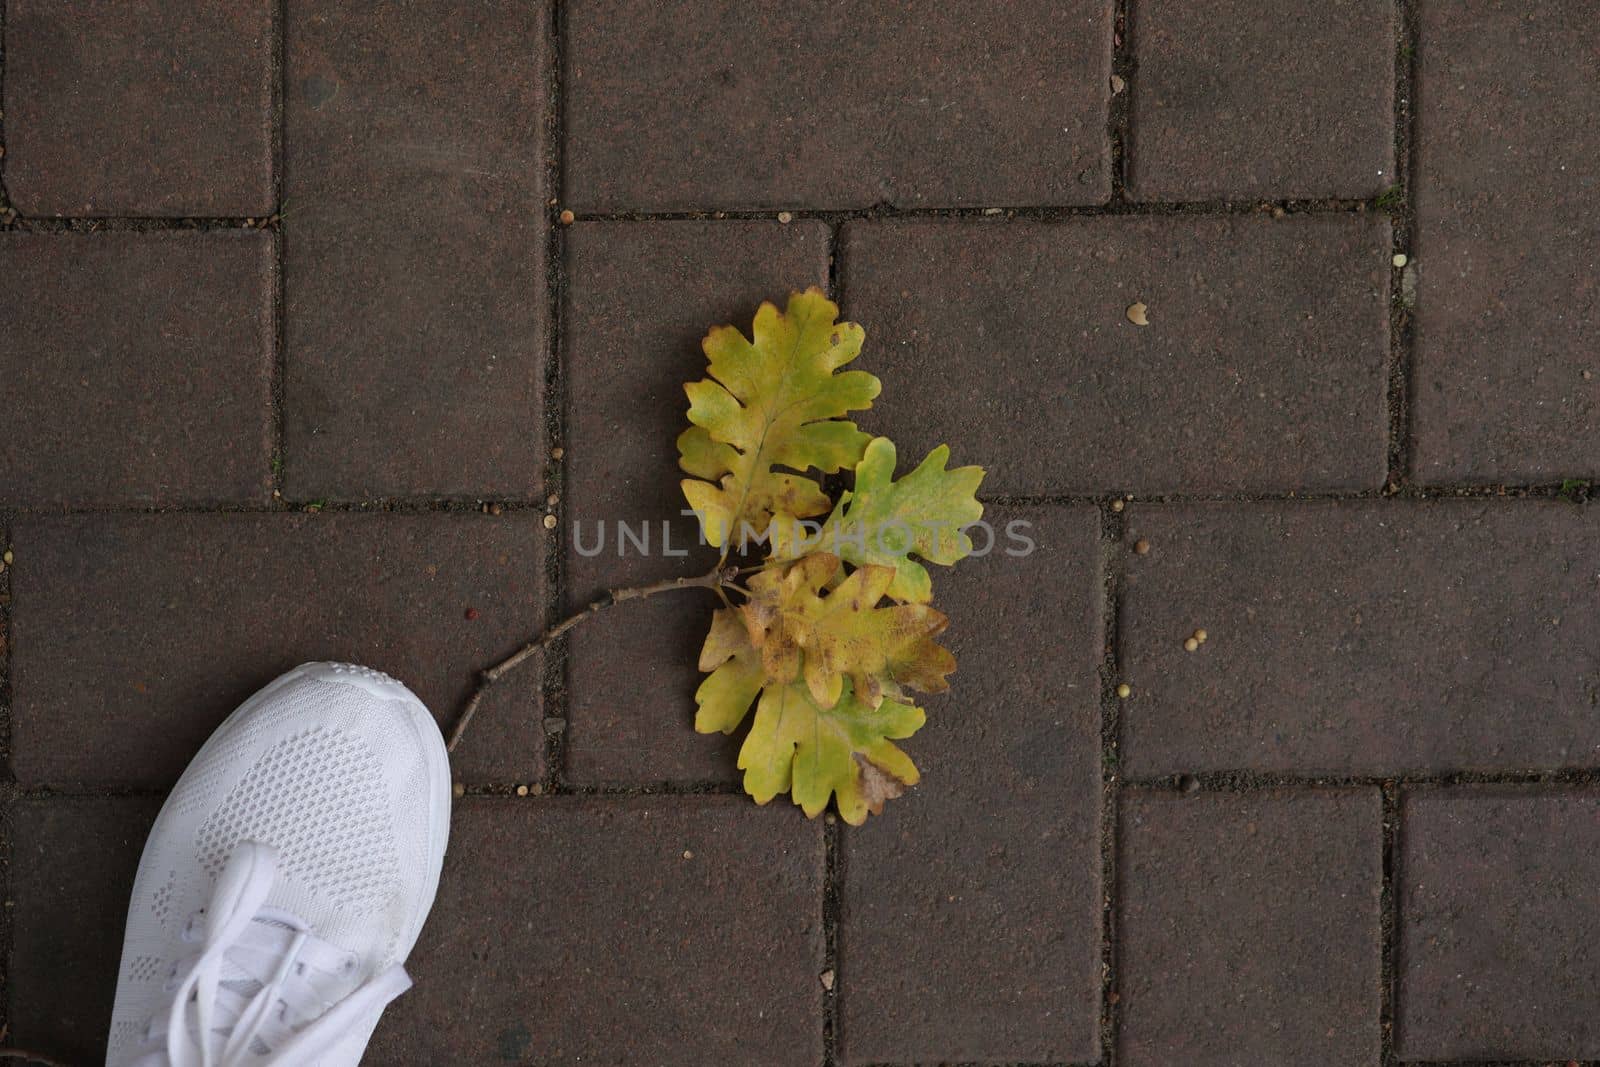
826, 639
736, 675
807, 662
770, 411
796, 746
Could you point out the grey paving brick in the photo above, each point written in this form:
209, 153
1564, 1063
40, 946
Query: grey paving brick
71, 872
133, 636
141, 107
1499, 924
672, 930
970, 928
738, 104
415, 279
631, 676
137, 368
1504, 384
1263, 367
1287, 99
1248, 928
1369, 637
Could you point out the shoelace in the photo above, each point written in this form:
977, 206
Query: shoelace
260, 968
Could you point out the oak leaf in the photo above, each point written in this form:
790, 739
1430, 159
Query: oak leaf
883, 521
826, 639
847, 751
771, 410
799, 747
824, 666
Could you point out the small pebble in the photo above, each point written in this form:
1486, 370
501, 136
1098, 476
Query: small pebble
1190, 644
1278, 213
992, 210
522, 790
536, 789
1142, 547
1117, 84
785, 217
553, 499
1588, 375
557, 453
1138, 314
1124, 690
471, 614
688, 855
458, 790
568, 218
1399, 259
8, 558
496, 509
1200, 635
826, 978
549, 522
1117, 505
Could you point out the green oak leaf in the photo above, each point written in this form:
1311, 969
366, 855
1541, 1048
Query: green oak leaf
885, 522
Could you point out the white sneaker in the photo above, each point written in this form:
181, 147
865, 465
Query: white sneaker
286, 879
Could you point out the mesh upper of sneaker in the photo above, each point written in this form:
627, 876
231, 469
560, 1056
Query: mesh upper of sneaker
342, 771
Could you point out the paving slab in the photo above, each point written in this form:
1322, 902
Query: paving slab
133, 636
71, 873
627, 353
415, 278
970, 926
1263, 366
1362, 637
738, 104
137, 368
1499, 926
1248, 928
672, 931
1240, 101
141, 107
1506, 375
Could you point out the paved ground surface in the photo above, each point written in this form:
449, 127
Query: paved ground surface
299, 348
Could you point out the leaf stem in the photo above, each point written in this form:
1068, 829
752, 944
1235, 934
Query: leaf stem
717, 578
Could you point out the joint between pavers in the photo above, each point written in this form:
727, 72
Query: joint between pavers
1244, 780
8, 787
1400, 203
83, 224
7, 213
498, 505
555, 662
1389, 929
1113, 553
832, 908
1119, 101
1280, 208
527, 789
280, 356
1540, 491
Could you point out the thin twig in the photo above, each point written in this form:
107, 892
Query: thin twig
717, 578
